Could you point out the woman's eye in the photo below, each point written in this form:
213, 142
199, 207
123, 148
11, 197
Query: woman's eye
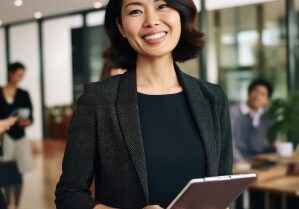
162, 6
135, 12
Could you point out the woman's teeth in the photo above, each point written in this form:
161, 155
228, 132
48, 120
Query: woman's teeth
155, 36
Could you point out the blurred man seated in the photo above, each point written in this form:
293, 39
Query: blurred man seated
250, 123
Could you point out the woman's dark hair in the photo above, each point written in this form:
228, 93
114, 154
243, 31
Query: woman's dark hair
13, 67
261, 82
190, 43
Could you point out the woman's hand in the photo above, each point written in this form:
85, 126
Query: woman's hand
100, 206
6, 123
152, 207
147, 207
24, 122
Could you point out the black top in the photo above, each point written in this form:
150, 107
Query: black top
174, 150
21, 100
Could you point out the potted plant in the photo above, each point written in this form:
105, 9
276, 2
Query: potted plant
285, 123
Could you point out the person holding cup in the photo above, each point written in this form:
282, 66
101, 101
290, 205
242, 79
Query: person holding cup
16, 102
6, 124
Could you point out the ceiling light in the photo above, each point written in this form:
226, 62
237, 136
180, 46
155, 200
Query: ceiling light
38, 15
18, 3
98, 4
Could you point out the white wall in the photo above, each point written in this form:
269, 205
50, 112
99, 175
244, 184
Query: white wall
2, 58
24, 48
58, 60
95, 18
211, 47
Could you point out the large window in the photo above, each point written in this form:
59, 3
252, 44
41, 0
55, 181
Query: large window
24, 48
58, 67
249, 44
297, 46
2, 58
274, 43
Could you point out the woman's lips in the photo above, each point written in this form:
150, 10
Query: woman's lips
155, 38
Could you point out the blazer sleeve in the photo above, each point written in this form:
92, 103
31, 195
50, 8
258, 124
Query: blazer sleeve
226, 156
73, 188
29, 105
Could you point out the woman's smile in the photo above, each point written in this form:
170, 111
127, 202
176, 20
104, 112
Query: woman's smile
155, 38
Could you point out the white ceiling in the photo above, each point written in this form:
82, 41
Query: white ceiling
10, 13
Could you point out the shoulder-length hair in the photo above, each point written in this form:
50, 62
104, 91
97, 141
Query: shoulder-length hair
190, 43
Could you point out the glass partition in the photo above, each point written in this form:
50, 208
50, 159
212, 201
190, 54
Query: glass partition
24, 47
57, 42
247, 43
2, 58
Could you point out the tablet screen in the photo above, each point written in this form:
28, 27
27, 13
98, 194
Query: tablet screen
212, 192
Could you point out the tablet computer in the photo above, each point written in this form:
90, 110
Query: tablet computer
212, 192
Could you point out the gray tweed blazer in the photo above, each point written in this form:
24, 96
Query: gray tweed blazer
105, 142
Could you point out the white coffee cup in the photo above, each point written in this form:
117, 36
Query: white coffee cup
23, 113
285, 149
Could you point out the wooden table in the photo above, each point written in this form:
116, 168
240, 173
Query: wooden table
278, 179
288, 185
294, 159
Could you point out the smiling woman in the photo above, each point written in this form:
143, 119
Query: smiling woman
191, 40
145, 134
152, 29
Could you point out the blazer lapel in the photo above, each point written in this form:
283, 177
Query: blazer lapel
128, 114
127, 110
201, 110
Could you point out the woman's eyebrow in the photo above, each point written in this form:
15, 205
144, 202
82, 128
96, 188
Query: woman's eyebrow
134, 4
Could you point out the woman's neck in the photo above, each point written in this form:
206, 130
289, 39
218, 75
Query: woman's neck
9, 91
11, 86
157, 76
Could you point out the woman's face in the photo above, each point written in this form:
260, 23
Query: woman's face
152, 28
17, 76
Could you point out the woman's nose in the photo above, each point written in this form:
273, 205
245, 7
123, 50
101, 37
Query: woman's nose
151, 19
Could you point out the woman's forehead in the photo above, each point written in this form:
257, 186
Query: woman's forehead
18, 71
139, 2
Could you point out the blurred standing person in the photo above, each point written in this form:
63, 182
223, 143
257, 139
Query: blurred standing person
111, 66
16, 101
4, 126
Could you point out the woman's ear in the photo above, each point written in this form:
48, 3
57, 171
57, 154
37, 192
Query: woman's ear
120, 28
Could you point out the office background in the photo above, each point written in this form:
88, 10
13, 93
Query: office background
62, 51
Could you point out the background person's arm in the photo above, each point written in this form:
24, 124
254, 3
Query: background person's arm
5, 124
